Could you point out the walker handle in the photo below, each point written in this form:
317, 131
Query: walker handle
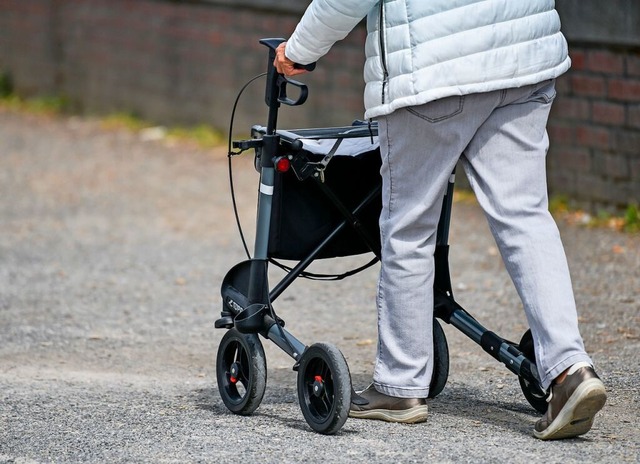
277, 83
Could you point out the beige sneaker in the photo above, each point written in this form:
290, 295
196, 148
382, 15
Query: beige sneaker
375, 405
572, 406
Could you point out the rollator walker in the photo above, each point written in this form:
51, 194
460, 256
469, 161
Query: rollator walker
315, 202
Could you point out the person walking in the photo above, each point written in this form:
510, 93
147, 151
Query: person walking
472, 81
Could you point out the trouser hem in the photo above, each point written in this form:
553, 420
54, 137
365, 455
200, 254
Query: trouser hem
402, 392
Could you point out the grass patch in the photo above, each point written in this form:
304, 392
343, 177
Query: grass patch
561, 208
629, 221
632, 219
6, 85
124, 120
559, 204
38, 105
203, 135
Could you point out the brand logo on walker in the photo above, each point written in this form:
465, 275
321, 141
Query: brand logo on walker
233, 305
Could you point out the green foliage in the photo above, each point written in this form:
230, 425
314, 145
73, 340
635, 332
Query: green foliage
50, 105
6, 85
632, 218
559, 204
125, 120
205, 136
40, 105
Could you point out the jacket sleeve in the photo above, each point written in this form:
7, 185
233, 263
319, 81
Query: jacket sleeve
323, 24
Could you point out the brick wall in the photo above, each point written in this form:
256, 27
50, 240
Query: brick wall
595, 128
184, 61
169, 61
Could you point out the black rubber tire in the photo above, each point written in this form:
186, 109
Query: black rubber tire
324, 388
243, 352
533, 393
440, 361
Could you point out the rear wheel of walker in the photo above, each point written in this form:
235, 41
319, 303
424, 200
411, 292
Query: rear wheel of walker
241, 370
324, 388
532, 392
440, 361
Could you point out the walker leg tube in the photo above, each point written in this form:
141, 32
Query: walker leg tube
287, 342
496, 346
258, 282
265, 201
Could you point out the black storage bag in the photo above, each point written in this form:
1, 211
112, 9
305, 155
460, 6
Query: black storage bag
303, 216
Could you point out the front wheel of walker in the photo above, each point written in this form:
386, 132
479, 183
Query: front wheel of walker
241, 371
324, 388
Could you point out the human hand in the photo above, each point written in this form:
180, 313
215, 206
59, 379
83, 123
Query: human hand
284, 65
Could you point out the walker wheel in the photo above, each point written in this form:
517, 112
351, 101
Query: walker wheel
241, 370
532, 392
324, 388
440, 361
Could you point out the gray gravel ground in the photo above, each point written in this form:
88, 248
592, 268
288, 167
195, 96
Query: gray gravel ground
112, 250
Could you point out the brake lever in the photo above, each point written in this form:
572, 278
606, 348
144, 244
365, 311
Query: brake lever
304, 90
282, 82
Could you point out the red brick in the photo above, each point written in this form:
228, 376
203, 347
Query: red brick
633, 116
560, 134
633, 64
608, 113
627, 141
634, 168
588, 86
578, 59
616, 166
624, 89
592, 136
573, 159
562, 182
563, 84
632, 192
605, 61
571, 108
593, 187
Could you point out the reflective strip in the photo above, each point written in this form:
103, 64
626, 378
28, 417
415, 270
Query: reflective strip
266, 189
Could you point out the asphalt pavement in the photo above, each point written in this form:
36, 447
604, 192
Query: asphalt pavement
113, 246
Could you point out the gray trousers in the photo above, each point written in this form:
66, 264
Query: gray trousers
501, 139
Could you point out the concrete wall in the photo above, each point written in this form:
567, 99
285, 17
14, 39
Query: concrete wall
184, 61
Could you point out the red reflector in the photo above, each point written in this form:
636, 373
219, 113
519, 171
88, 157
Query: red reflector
318, 378
283, 164
233, 379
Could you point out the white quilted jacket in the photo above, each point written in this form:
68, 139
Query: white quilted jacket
430, 49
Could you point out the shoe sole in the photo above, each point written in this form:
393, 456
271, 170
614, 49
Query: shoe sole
576, 417
406, 416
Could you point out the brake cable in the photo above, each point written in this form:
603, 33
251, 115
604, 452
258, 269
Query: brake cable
230, 154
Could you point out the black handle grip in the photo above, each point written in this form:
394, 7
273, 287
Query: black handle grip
308, 67
274, 43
